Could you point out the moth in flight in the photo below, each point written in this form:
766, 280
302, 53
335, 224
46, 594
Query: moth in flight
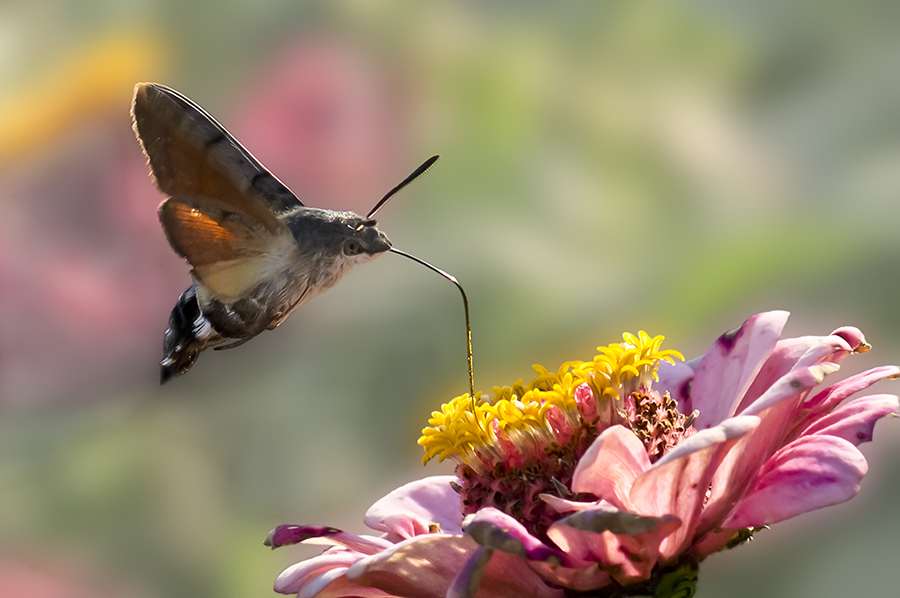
257, 253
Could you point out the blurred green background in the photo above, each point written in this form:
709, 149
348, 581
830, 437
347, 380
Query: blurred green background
674, 166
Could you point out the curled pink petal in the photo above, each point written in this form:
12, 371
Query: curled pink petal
726, 371
610, 465
853, 337
293, 577
855, 421
496, 530
808, 474
408, 510
285, 535
831, 349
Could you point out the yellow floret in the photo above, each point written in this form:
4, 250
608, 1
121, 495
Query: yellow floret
464, 426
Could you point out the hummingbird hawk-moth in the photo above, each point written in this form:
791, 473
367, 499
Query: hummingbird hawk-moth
256, 251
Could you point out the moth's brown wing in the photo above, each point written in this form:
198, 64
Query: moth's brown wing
230, 251
192, 155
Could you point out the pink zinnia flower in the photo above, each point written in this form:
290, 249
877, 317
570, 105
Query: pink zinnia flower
614, 476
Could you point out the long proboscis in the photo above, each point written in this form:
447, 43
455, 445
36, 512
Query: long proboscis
416, 174
465, 299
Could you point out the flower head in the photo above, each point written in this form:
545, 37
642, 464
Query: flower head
614, 476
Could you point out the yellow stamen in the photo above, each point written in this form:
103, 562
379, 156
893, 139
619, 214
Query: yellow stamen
464, 427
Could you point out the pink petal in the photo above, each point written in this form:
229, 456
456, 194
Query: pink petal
563, 505
610, 465
341, 587
469, 579
334, 584
285, 535
408, 510
677, 483
676, 378
425, 566
776, 408
832, 396
585, 403
505, 576
853, 337
808, 474
494, 529
581, 579
624, 543
420, 566
855, 421
293, 577
796, 382
832, 349
801, 352
726, 371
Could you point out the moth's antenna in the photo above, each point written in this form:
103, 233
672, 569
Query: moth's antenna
465, 307
416, 174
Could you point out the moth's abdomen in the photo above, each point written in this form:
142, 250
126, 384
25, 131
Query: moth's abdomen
189, 332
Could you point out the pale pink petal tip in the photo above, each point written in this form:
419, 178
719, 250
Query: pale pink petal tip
854, 338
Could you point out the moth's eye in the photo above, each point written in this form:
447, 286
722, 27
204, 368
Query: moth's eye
352, 248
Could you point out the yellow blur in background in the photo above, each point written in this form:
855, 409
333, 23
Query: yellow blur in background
667, 166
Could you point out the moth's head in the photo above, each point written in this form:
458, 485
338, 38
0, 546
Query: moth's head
343, 235
363, 241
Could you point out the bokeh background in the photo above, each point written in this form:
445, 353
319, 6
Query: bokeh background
674, 166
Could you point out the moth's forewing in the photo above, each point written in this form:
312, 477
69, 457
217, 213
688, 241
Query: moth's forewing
192, 155
222, 215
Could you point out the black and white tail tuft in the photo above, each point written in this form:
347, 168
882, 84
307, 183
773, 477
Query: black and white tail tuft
189, 332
